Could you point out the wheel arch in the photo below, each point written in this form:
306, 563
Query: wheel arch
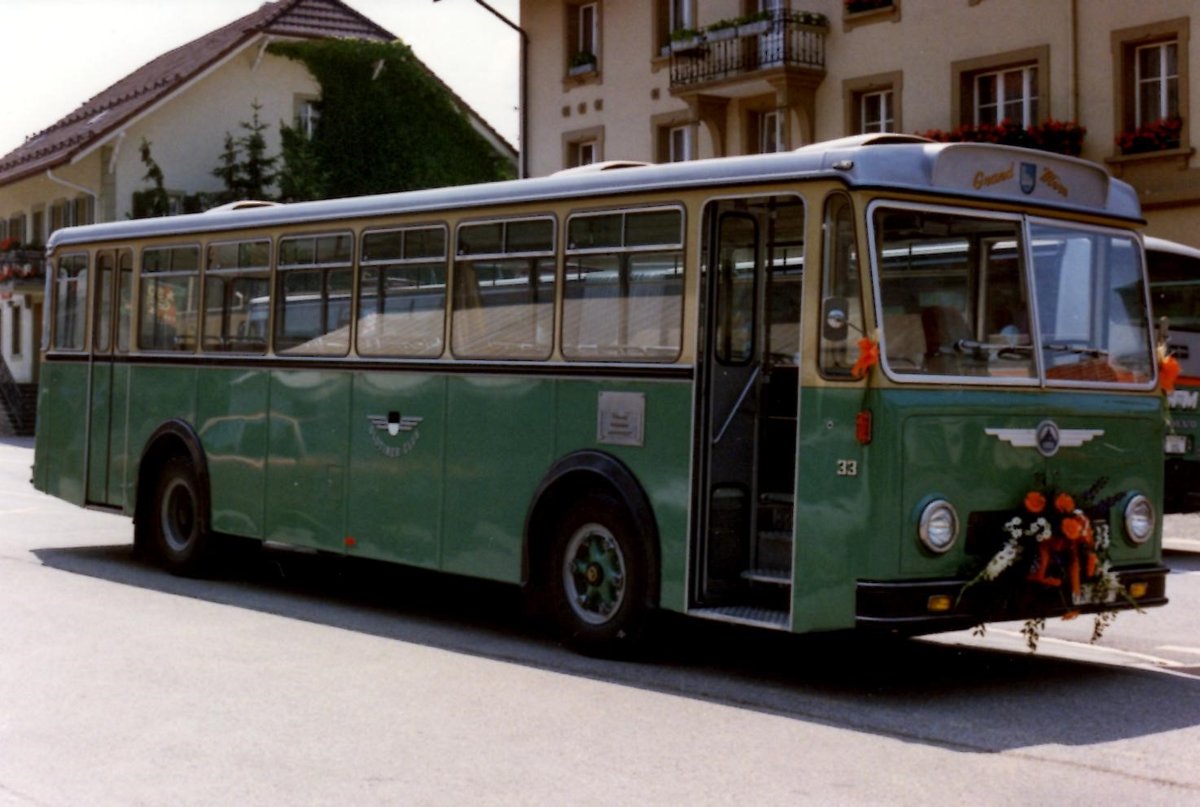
578, 473
173, 438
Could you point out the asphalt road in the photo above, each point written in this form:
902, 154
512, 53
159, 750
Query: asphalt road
296, 680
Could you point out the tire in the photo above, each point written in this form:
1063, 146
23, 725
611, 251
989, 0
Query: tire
177, 524
598, 577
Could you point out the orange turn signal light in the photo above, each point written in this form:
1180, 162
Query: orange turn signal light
939, 603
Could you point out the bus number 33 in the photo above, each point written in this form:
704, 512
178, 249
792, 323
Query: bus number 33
847, 467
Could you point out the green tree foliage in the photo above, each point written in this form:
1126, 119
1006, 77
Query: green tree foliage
386, 125
154, 200
245, 170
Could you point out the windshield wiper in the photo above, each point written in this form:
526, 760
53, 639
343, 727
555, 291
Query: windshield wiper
972, 346
1078, 350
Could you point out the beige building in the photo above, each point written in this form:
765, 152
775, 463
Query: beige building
87, 167
659, 80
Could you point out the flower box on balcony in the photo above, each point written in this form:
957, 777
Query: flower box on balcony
686, 41
757, 28
720, 30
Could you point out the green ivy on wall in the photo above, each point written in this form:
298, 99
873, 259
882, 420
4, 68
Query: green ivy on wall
386, 124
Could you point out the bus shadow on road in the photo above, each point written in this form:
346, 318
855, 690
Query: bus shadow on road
955, 697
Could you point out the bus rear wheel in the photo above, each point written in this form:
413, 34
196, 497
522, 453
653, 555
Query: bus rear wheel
598, 577
177, 525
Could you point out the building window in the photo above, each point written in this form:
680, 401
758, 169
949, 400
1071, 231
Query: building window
1157, 82
585, 153
14, 344
770, 131
38, 234
1010, 95
1151, 68
671, 16
674, 137
307, 116
872, 103
680, 144
583, 147
1008, 86
583, 34
876, 112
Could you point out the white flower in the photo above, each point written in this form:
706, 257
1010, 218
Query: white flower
1003, 559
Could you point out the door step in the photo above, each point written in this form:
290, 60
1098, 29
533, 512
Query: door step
777, 577
746, 615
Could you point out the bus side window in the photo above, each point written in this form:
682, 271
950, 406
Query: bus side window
624, 286
70, 302
312, 310
504, 290
124, 299
236, 286
841, 291
170, 298
402, 293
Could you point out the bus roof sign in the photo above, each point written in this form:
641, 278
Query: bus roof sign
1021, 174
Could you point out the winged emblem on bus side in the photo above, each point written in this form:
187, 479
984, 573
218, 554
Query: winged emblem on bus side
393, 423
1046, 437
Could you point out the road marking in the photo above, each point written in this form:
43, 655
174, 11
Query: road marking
1088, 647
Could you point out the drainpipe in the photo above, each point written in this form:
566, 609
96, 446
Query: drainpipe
523, 121
1073, 67
67, 183
50, 176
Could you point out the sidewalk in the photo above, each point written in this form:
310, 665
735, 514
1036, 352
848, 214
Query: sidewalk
1181, 532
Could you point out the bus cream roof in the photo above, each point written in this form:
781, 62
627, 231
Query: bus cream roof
902, 163
1174, 247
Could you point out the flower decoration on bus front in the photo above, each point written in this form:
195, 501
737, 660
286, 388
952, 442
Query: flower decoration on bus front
1052, 544
1168, 371
868, 357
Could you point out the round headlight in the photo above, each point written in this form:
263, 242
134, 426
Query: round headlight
1139, 519
938, 526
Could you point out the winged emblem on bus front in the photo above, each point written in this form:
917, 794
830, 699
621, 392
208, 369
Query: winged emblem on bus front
1046, 437
393, 423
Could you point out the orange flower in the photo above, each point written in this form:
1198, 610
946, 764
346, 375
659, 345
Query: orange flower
1168, 371
1035, 502
1063, 503
1072, 528
868, 357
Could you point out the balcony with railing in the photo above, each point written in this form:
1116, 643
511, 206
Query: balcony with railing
22, 270
790, 42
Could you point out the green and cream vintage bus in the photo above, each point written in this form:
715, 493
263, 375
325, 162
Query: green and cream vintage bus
1175, 294
877, 382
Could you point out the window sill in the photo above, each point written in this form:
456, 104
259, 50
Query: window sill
1124, 160
579, 76
853, 19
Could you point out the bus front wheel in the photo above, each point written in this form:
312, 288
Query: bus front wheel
599, 577
177, 525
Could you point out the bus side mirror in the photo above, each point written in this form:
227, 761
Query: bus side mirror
834, 323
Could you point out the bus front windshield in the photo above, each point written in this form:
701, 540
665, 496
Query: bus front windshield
955, 300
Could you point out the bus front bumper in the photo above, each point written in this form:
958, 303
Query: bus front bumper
931, 606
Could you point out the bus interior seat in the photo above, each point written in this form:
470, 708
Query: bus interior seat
904, 340
944, 327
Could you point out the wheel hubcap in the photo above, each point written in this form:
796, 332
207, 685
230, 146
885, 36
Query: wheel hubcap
178, 515
594, 574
